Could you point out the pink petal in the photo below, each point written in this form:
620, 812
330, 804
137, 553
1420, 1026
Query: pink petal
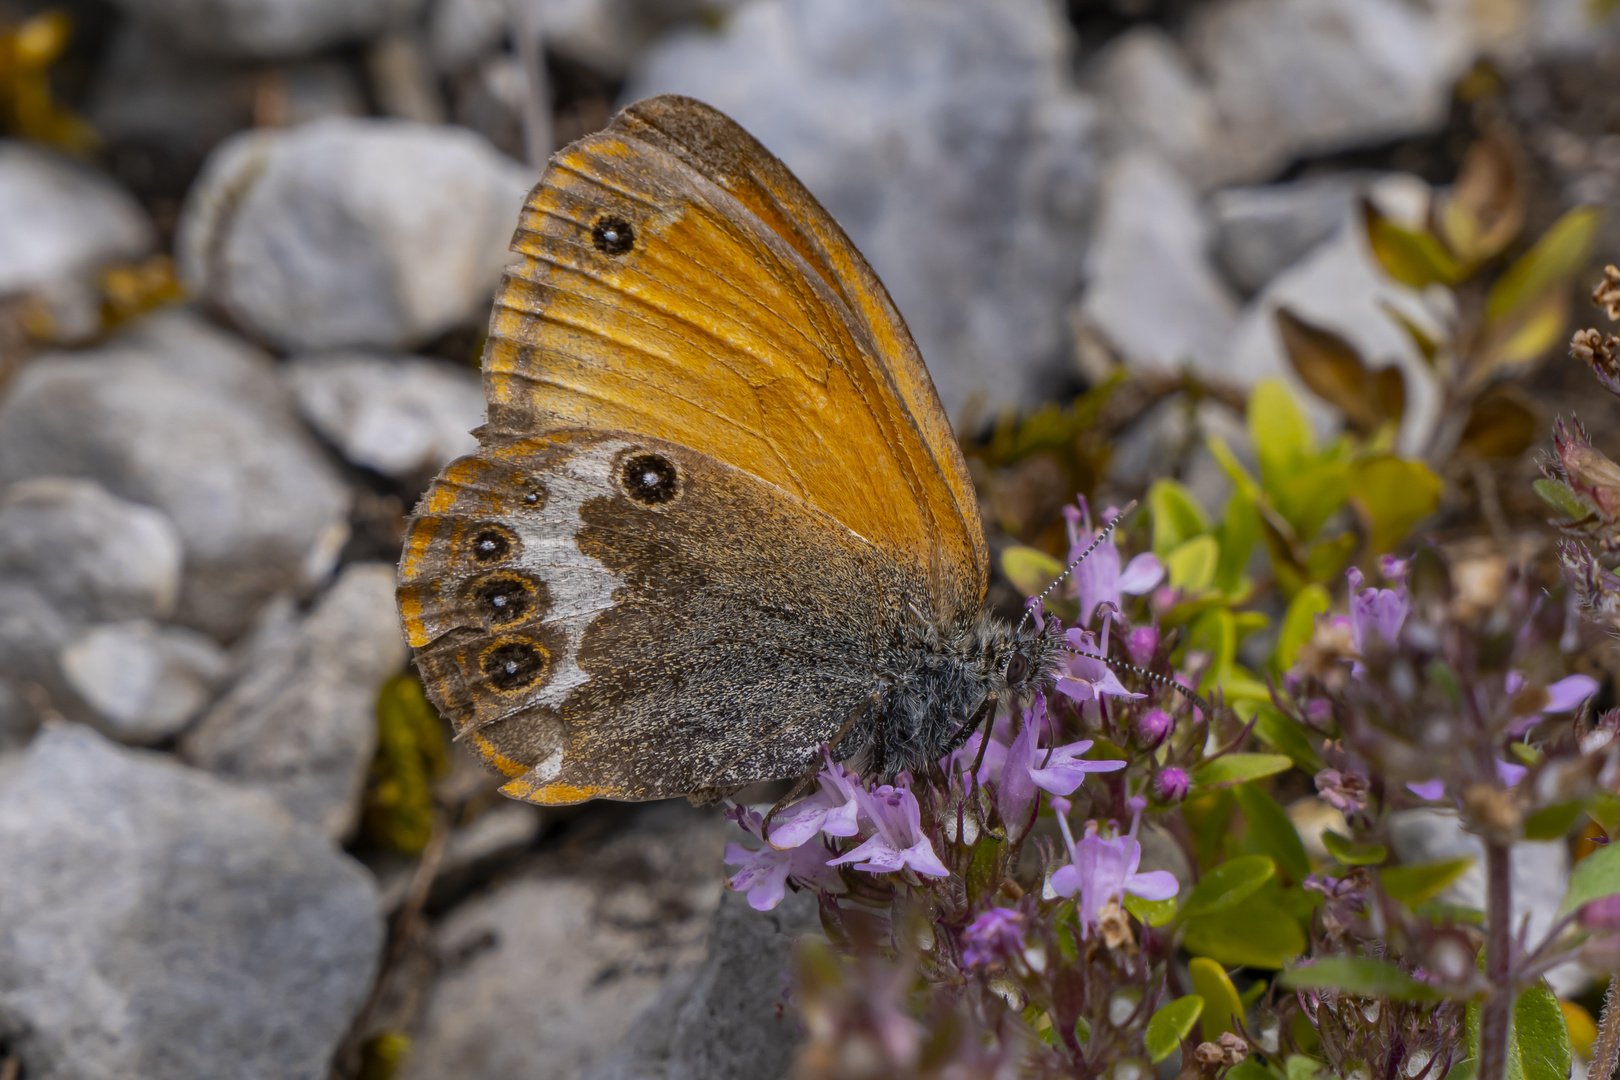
1141, 574
1568, 692
1428, 789
1153, 885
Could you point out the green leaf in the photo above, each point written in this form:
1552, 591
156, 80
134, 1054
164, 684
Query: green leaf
1238, 531
1282, 733
1414, 885
1273, 831
1215, 633
1249, 1069
1540, 1035
1239, 769
1028, 569
1229, 884
1259, 933
1417, 259
1559, 255
1605, 810
1281, 432
1522, 335
1327, 558
1393, 495
1563, 498
1299, 625
1191, 566
1177, 517
1594, 877
1223, 1009
1302, 1067
1351, 853
1170, 1025
1552, 822
1359, 975
1312, 495
1151, 912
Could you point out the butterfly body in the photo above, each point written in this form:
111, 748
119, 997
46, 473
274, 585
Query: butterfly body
717, 518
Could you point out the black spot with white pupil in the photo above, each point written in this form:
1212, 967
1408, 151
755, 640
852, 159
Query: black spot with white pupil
613, 236
651, 479
503, 599
490, 546
513, 665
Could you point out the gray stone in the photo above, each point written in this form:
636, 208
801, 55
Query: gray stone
178, 419
268, 29
401, 416
947, 140
727, 1019
1261, 231
607, 35
1151, 98
1152, 294
17, 721
93, 555
1298, 77
351, 233
546, 974
144, 681
32, 629
61, 222
155, 922
1540, 875
301, 720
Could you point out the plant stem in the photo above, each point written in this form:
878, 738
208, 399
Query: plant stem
1607, 1047
1498, 1011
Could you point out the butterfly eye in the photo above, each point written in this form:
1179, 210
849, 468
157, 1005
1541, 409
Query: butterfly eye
513, 665
650, 479
1017, 669
613, 236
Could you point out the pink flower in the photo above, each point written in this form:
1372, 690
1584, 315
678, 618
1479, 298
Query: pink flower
763, 873
1098, 579
1172, 784
1380, 609
1084, 678
1101, 871
897, 840
833, 809
1153, 727
993, 937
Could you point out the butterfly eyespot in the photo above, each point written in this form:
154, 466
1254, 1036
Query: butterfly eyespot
491, 543
512, 665
650, 479
503, 598
1017, 669
613, 235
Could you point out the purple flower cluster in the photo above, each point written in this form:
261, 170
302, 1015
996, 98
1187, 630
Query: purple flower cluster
1103, 870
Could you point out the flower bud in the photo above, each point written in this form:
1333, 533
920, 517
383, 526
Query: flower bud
1172, 784
1154, 726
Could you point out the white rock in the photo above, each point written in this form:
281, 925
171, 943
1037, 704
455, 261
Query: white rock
402, 416
1297, 77
155, 922
1151, 292
95, 556
144, 681
947, 140
351, 233
1261, 231
278, 29
606, 35
1340, 287
1540, 875
61, 222
186, 420
301, 720
1151, 97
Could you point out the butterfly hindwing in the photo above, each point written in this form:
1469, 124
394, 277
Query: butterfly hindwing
582, 620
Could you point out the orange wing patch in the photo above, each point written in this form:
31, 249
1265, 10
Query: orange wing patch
679, 283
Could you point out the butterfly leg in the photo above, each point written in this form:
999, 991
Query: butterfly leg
988, 709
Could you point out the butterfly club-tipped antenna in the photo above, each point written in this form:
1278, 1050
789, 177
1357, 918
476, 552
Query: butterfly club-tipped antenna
1101, 536
1152, 676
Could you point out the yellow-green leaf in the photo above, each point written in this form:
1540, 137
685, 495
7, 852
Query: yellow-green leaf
1281, 432
1299, 624
1559, 255
1362, 976
1352, 853
1231, 769
1273, 831
1524, 334
1417, 259
1223, 1009
1151, 912
1229, 884
1170, 1024
1261, 933
1191, 565
1415, 885
1177, 517
1029, 569
1563, 498
1393, 494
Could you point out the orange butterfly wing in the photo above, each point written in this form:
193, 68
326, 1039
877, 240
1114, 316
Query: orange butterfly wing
735, 317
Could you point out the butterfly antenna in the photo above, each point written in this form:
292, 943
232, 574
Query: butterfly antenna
1151, 676
1101, 536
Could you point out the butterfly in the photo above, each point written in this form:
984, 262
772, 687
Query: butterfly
718, 517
